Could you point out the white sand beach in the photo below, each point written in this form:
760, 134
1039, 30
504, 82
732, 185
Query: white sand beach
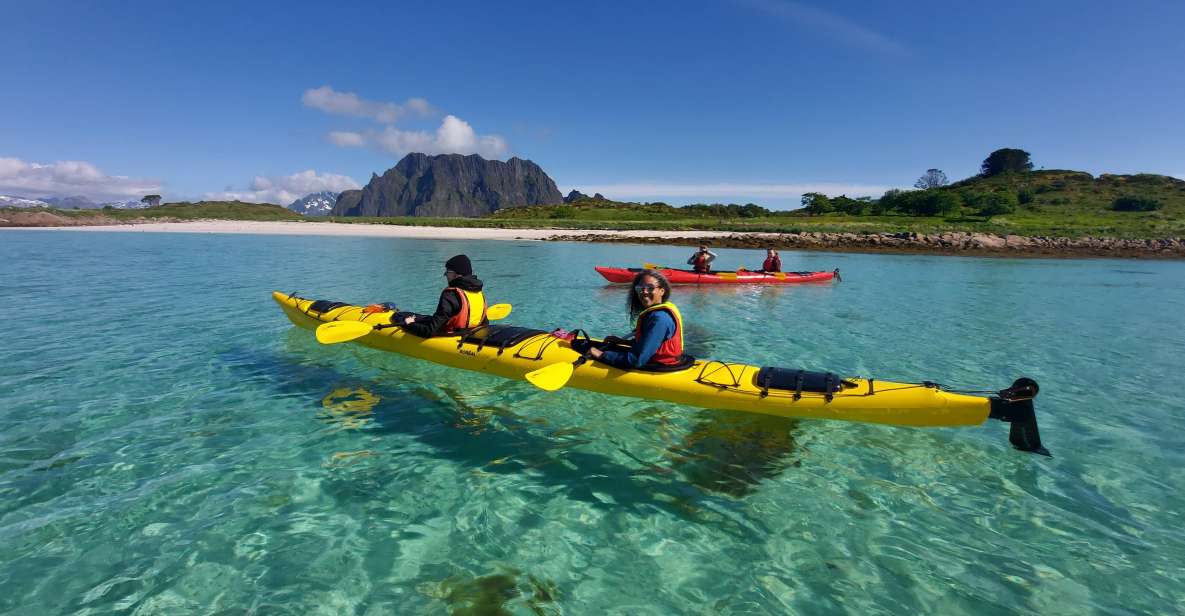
367, 230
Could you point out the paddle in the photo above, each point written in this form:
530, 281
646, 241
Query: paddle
555, 376
651, 266
334, 332
726, 275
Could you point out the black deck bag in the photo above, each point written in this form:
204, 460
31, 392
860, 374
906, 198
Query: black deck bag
497, 336
798, 381
324, 305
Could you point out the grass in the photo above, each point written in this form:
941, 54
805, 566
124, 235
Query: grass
202, 210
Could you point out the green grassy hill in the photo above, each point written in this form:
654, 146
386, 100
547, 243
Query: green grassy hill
230, 210
1051, 203
1075, 203
219, 210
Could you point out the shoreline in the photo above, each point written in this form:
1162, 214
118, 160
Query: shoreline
950, 243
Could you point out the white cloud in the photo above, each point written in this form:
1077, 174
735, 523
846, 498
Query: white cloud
834, 25
329, 100
283, 190
729, 191
68, 178
346, 139
453, 136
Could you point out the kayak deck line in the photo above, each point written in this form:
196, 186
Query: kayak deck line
622, 275
513, 352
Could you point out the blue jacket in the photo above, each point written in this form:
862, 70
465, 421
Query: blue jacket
657, 326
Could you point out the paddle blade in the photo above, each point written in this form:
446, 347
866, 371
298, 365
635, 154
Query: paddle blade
780, 275
551, 378
651, 266
342, 331
498, 311
727, 275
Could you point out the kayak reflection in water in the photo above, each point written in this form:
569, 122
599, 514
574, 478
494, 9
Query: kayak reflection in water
462, 304
658, 337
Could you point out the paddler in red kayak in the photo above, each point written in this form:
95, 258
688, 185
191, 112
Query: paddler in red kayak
773, 262
701, 261
462, 304
658, 336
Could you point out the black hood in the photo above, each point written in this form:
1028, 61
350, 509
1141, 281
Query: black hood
466, 283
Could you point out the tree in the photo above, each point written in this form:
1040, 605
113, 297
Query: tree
151, 200
816, 203
933, 178
1006, 159
887, 203
929, 202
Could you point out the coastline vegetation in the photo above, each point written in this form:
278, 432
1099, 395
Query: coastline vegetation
1006, 198
1052, 203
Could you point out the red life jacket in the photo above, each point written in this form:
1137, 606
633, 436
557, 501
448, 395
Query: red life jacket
671, 350
471, 314
772, 264
701, 263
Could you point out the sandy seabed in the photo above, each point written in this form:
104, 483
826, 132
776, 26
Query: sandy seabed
368, 230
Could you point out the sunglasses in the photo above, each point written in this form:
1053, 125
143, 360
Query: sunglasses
641, 288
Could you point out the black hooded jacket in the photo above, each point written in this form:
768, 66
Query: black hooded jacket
448, 307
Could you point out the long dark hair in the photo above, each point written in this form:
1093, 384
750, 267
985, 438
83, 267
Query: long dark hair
635, 304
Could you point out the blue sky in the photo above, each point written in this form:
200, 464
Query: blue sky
731, 101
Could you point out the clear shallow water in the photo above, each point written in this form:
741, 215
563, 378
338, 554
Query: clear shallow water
169, 444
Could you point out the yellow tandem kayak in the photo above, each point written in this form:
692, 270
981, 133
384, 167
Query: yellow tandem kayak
514, 352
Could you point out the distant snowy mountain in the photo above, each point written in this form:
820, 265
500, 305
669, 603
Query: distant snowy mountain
315, 204
77, 202
7, 201
125, 205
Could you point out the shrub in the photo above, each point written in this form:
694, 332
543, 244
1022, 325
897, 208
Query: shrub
1025, 195
993, 204
1135, 204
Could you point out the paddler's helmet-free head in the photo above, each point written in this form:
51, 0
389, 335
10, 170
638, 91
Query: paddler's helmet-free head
458, 266
649, 288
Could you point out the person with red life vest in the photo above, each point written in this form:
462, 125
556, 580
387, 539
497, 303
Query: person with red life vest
462, 304
658, 335
773, 262
701, 261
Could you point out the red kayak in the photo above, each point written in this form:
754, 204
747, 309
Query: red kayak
678, 276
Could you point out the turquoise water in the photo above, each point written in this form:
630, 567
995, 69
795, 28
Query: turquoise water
169, 444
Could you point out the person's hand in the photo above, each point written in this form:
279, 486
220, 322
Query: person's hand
409, 320
595, 353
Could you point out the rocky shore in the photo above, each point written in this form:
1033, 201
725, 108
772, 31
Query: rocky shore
952, 243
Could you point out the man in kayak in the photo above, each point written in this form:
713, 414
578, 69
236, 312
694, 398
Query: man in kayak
658, 337
462, 304
701, 261
773, 262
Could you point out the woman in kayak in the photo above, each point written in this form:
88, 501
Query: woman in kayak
658, 337
773, 263
701, 260
462, 304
